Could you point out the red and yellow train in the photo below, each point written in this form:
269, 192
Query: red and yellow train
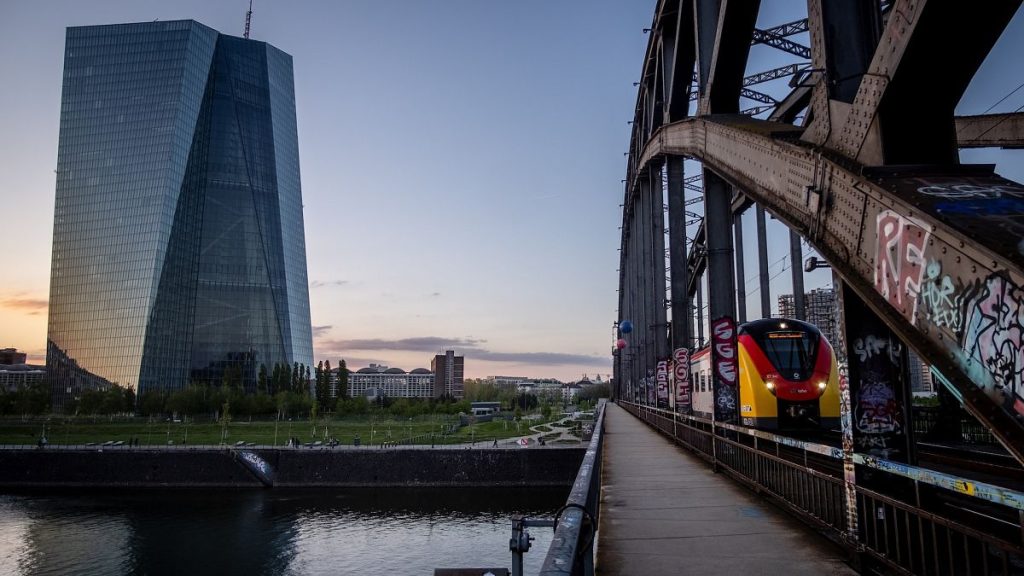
788, 377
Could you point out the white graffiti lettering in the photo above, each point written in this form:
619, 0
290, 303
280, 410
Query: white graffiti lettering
899, 258
939, 298
964, 191
871, 346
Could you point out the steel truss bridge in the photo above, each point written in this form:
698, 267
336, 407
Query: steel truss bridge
860, 159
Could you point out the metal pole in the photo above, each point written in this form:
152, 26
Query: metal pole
699, 316
796, 260
741, 278
762, 259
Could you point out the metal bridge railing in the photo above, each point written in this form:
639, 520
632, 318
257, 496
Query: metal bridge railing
572, 549
903, 537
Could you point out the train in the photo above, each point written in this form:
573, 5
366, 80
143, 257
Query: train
788, 377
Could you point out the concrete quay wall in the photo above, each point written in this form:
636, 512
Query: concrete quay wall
289, 468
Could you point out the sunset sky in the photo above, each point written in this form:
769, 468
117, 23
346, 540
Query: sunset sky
461, 164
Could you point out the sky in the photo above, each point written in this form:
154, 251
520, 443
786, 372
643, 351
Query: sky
461, 168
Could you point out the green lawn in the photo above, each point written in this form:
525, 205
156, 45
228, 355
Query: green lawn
420, 430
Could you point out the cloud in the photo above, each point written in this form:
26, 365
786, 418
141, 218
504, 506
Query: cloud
322, 283
470, 348
540, 358
319, 331
435, 294
30, 306
420, 344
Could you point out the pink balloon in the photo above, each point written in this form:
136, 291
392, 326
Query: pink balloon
620, 344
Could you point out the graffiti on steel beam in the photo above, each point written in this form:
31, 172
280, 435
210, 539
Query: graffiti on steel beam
849, 470
726, 366
993, 334
662, 379
877, 416
940, 300
899, 261
681, 375
983, 315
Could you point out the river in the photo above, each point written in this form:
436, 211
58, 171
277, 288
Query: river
382, 532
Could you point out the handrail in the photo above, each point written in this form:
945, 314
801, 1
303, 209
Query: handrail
571, 550
964, 486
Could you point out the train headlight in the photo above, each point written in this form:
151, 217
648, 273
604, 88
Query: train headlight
822, 384
770, 384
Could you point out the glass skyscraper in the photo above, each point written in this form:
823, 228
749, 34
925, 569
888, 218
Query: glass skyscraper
178, 247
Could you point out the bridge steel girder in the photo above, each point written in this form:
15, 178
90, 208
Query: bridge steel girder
724, 29
990, 130
902, 110
880, 232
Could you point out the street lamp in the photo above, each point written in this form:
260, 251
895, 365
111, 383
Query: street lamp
814, 263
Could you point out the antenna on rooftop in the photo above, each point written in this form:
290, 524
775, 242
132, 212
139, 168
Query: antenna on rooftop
248, 20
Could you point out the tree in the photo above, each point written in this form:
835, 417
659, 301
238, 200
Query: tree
261, 381
321, 392
296, 385
327, 386
342, 379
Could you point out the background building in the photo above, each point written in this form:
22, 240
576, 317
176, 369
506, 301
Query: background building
12, 356
822, 310
448, 370
178, 246
15, 373
377, 380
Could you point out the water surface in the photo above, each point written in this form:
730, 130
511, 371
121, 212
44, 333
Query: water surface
374, 532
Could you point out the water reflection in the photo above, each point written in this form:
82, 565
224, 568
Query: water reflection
406, 531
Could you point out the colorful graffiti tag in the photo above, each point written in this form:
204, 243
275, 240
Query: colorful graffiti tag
726, 367
681, 374
662, 379
899, 262
993, 334
983, 315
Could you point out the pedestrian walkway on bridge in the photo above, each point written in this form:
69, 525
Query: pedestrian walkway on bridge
664, 511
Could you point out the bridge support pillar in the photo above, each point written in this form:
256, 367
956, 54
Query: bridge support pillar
876, 408
722, 293
682, 316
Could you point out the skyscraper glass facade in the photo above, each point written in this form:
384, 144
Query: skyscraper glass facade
178, 245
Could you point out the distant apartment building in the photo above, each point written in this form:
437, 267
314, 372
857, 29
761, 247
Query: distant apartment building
376, 380
821, 308
448, 372
920, 375
511, 382
14, 376
12, 356
15, 373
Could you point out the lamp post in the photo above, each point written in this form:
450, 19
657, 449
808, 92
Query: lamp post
814, 263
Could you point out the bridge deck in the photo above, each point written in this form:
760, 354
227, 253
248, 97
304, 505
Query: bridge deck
663, 511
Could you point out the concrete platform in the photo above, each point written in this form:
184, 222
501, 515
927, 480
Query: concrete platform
663, 511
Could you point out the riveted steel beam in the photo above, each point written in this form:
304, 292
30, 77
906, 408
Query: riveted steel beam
990, 130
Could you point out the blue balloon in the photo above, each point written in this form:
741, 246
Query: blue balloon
626, 326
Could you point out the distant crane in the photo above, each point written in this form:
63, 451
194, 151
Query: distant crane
248, 20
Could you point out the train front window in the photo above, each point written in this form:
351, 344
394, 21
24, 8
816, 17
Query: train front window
792, 353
